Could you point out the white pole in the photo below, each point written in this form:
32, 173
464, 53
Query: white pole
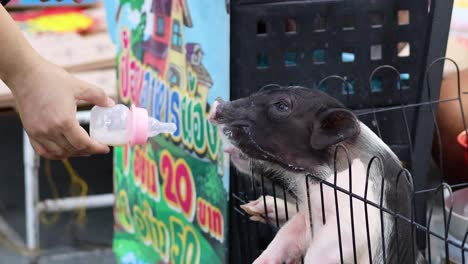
71, 203
30, 161
33, 207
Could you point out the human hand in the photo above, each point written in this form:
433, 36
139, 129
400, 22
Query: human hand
46, 98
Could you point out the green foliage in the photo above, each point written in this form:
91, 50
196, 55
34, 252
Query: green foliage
137, 38
210, 185
134, 4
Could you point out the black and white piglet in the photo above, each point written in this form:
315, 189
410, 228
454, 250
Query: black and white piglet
287, 132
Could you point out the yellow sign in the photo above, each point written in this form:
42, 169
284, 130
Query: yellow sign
60, 23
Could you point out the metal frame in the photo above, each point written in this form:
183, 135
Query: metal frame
34, 206
433, 227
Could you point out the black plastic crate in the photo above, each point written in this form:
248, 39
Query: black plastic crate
303, 42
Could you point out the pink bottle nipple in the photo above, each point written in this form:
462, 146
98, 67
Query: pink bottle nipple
138, 125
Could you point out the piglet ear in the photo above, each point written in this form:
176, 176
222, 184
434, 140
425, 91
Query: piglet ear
332, 127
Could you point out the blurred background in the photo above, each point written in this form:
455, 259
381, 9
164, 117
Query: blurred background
75, 37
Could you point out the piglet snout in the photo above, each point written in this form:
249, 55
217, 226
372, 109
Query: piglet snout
213, 115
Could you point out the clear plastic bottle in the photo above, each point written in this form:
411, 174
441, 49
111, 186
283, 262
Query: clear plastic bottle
119, 125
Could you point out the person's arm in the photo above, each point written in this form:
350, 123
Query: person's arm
46, 97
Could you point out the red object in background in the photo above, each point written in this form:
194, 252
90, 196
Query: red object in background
27, 15
463, 143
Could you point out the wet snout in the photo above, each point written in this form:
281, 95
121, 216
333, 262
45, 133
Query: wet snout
229, 113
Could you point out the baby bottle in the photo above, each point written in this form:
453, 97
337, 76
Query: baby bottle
118, 125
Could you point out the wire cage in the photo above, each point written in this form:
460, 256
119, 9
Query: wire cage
382, 59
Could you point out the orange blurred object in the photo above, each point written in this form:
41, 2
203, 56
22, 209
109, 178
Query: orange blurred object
55, 20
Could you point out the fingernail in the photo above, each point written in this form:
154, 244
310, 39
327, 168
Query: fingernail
110, 102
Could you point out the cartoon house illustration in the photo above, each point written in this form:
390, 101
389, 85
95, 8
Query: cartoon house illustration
194, 58
164, 50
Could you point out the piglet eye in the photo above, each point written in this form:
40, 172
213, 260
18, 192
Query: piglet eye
282, 106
